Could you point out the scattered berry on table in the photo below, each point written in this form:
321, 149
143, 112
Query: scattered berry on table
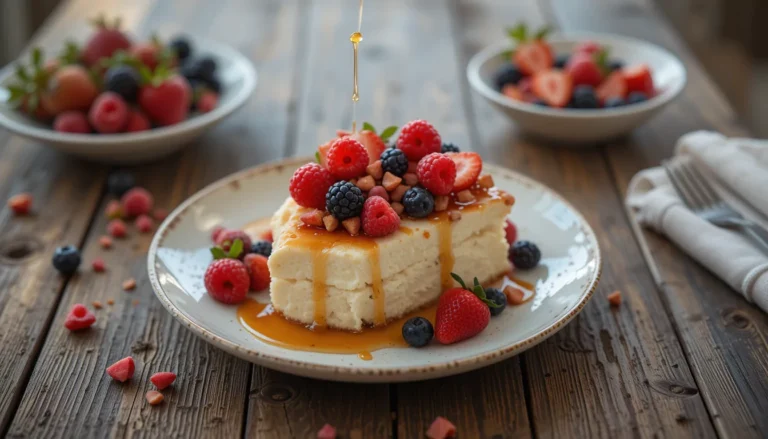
636, 97
117, 228
66, 259
437, 173
123, 80
510, 231
615, 102
120, 182
344, 200
394, 161
584, 97
105, 242
21, 203
72, 121
144, 223
639, 79
615, 64
97, 305
378, 218
137, 121
79, 318
98, 265
449, 147
227, 238
441, 428
418, 202
553, 86
227, 280
615, 298
309, 185
418, 138
418, 332
462, 313
500, 299
326, 432
109, 113
181, 47
347, 158
258, 271
106, 40
561, 61
160, 214
129, 284
508, 74
524, 255
122, 370
161, 380
167, 102
137, 201
113, 209
154, 397
263, 248
468, 168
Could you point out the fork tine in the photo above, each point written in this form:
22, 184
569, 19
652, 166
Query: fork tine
698, 179
677, 184
692, 186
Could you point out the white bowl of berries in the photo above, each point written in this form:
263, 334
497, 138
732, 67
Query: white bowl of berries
116, 99
576, 89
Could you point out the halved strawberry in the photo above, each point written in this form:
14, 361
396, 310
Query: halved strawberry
584, 70
589, 47
468, 168
533, 57
614, 86
639, 79
511, 91
554, 87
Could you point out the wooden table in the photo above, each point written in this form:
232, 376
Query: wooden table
682, 357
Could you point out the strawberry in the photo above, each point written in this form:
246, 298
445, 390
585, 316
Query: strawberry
21, 203
513, 92
104, 42
441, 428
554, 87
532, 55
166, 98
588, 47
150, 53
462, 313
69, 88
468, 168
614, 86
374, 143
639, 79
584, 70
161, 380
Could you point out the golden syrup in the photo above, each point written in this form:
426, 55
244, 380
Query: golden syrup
355, 39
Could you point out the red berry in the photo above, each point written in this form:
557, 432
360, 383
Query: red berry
588, 47
103, 43
437, 173
468, 168
258, 271
20, 204
584, 70
160, 214
441, 428
79, 318
554, 87
168, 102
117, 228
370, 141
460, 315
267, 236
154, 397
109, 113
639, 79
227, 237
98, 265
122, 370
327, 432
137, 201
615, 85
510, 230
72, 122
105, 242
346, 159
533, 57
137, 121
513, 92
161, 380
418, 138
144, 223
378, 217
525, 85
227, 280
309, 185
70, 88
147, 53
215, 233
207, 101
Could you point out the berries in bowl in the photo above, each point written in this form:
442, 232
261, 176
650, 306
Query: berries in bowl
576, 88
117, 98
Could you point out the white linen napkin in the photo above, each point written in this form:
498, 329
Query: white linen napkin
738, 170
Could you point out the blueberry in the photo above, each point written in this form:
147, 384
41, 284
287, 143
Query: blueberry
496, 296
181, 47
584, 97
561, 61
344, 200
120, 182
449, 147
614, 102
540, 102
205, 67
615, 64
213, 84
418, 202
394, 161
418, 332
123, 80
263, 248
66, 259
524, 255
636, 97
508, 74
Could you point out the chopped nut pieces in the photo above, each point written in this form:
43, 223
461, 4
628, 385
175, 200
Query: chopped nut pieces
391, 181
454, 215
129, 284
397, 194
375, 170
366, 183
485, 181
352, 225
465, 196
515, 296
397, 207
331, 223
411, 179
313, 218
441, 203
615, 298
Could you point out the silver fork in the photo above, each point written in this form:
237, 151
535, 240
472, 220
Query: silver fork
703, 201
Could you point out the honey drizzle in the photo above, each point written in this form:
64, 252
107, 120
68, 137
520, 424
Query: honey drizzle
356, 38
443, 225
379, 315
319, 259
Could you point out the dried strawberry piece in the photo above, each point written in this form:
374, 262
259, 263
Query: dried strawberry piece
161, 380
441, 428
79, 318
154, 397
327, 432
122, 370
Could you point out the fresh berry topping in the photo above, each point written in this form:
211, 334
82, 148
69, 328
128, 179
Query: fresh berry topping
417, 139
98, 265
154, 397
258, 270
20, 204
144, 223
462, 313
106, 40
378, 218
137, 121
561, 61
122, 370
79, 318
588, 47
510, 230
117, 228
66, 259
347, 158
394, 161
313, 218
215, 232
109, 113
468, 168
137, 201
533, 57
309, 185
418, 202
166, 100
437, 173
584, 97
371, 141
508, 74
263, 248
636, 97
496, 296
227, 238
418, 332
181, 47
639, 79
161, 380
148, 53
344, 200
327, 432
120, 182
441, 428
525, 255
614, 102
614, 86
554, 87
227, 280
584, 69
207, 101
72, 121
123, 80
449, 147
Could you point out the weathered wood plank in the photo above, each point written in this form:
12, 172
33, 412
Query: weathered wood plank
723, 336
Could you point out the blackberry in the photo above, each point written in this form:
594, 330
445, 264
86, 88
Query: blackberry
508, 74
615, 102
123, 80
120, 182
344, 200
418, 332
449, 147
525, 255
181, 47
636, 97
418, 202
263, 248
561, 61
584, 97
66, 259
394, 161
496, 296
615, 64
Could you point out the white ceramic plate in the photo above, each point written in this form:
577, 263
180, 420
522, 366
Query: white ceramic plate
238, 79
564, 281
575, 126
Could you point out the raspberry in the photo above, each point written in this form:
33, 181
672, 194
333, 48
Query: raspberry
122, 370
437, 172
72, 122
258, 271
98, 265
227, 280
161, 380
144, 223
117, 228
137, 201
137, 121
418, 138
511, 232
344, 200
109, 113
20, 203
79, 318
347, 158
309, 185
394, 161
226, 238
378, 217
327, 432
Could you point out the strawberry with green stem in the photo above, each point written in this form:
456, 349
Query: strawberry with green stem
532, 54
29, 83
462, 312
164, 96
588, 68
106, 40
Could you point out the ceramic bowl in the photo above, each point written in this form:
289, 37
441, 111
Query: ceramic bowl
577, 126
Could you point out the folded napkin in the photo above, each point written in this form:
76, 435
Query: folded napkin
738, 171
